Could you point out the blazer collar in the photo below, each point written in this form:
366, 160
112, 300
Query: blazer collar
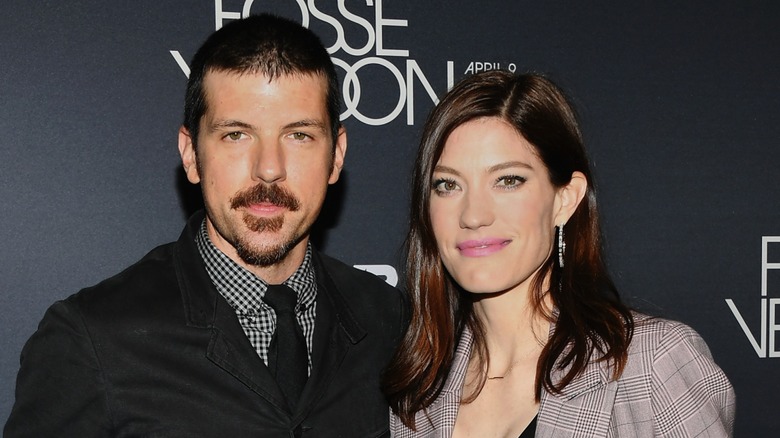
336, 331
460, 363
595, 375
198, 293
342, 308
336, 327
228, 347
201, 298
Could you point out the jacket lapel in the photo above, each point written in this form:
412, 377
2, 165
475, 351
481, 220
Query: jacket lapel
336, 330
230, 350
228, 347
441, 414
589, 396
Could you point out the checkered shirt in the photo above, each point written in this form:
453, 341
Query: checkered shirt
244, 291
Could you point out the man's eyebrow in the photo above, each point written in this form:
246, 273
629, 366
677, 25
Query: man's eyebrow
229, 124
307, 123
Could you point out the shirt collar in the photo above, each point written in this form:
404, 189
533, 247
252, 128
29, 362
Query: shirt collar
244, 290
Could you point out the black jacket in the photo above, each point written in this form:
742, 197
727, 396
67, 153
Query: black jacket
156, 352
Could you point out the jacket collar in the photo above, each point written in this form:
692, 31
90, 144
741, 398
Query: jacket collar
198, 293
201, 298
460, 363
443, 411
326, 287
595, 375
336, 327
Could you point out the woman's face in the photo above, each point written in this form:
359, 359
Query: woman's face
493, 207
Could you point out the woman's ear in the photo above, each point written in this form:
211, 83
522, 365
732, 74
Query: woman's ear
570, 196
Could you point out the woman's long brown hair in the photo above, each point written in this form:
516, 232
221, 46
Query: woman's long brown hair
591, 322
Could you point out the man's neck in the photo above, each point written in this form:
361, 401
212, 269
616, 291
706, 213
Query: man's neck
276, 273
280, 271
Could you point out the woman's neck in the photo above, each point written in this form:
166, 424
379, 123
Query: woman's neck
514, 329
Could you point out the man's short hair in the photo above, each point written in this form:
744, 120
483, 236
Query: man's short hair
264, 44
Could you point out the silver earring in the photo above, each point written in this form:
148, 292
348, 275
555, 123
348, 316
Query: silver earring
561, 244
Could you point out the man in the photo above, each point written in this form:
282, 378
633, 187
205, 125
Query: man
194, 339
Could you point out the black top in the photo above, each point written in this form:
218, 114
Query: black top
530, 430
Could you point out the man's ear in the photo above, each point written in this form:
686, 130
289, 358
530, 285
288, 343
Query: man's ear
189, 158
339, 153
570, 196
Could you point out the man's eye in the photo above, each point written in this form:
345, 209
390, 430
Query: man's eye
299, 136
234, 136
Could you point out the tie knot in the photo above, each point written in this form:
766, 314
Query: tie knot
281, 298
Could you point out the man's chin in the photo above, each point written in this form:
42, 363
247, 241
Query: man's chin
264, 258
273, 249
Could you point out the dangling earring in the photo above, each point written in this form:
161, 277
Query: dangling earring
561, 244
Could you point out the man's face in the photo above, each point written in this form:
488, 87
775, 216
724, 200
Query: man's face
264, 160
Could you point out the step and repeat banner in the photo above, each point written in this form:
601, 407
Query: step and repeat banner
679, 102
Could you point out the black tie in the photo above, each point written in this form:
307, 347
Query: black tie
288, 357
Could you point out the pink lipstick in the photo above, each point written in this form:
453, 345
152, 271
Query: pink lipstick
482, 247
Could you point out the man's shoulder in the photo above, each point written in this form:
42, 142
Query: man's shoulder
364, 291
150, 276
343, 274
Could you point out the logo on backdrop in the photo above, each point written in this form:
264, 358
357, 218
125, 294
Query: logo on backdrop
372, 62
385, 272
763, 338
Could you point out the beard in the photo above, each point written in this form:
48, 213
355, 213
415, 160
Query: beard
264, 257
270, 194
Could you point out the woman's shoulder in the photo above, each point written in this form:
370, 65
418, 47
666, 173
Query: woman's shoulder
657, 341
680, 374
652, 330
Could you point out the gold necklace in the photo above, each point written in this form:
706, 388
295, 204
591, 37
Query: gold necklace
509, 370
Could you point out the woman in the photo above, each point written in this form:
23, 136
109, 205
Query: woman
516, 327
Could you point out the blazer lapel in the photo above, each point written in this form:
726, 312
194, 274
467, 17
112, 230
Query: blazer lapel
589, 396
228, 347
441, 414
335, 332
230, 350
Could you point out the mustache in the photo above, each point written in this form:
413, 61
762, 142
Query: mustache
268, 193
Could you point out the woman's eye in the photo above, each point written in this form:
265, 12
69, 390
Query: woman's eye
445, 185
510, 181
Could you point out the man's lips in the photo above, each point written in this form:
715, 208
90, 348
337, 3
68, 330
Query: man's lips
482, 247
265, 208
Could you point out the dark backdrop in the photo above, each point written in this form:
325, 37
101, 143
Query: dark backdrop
679, 103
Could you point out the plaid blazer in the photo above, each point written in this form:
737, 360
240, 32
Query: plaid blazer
671, 387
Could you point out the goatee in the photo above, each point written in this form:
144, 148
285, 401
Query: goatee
268, 194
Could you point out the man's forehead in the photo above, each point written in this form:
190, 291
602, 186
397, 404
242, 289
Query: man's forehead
302, 76
215, 81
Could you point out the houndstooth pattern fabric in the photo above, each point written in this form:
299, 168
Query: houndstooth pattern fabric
670, 388
244, 291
